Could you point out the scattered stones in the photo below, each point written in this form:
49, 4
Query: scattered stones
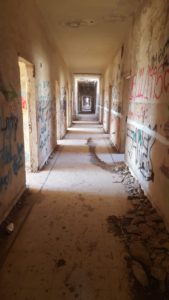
139, 251
138, 220
158, 273
143, 232
132, 229
146, 240
10, 228
60, 263
140, 274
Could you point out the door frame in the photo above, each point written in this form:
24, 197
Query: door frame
32, 113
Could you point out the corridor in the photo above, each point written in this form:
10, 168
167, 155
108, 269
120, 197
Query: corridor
64, 249
84, 150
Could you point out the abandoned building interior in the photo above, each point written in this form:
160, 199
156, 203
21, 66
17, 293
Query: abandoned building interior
84, 149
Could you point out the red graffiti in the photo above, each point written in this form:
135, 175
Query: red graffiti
150, 83
24, 104
166, 80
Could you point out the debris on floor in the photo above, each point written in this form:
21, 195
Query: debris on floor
12, 215
61, 263
114, 167
146, 241
143, 232
10, 228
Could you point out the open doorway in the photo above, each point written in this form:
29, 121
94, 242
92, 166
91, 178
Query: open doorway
58, 117
28, 103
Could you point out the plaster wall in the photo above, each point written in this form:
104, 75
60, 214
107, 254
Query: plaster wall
147, 145
141, 84
23, 34
116, 90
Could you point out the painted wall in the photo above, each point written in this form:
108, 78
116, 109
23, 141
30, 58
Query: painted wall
22, 33
143, 88
115, 94
147, 147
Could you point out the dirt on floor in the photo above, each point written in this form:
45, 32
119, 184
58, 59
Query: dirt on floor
143, 233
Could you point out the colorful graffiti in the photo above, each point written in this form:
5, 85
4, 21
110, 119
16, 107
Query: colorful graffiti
140, 149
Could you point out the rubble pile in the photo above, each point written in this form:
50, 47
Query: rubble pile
144, 234
146, 242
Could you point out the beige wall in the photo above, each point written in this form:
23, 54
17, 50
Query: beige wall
116, 90
146, 65
22, 34
147, 148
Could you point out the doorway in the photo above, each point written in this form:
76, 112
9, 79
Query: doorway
58, 112
28, 104
109, 110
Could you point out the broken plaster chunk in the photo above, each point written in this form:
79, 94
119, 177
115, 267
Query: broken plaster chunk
140, 274
138, 220
155, 218
158, 273
165, 245
132, 229
61, 263
10, 228
139, 251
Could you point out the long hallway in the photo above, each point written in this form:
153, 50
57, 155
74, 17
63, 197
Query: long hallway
64, 249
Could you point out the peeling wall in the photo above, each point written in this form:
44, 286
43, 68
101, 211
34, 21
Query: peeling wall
147, 147
143, 88
23, 34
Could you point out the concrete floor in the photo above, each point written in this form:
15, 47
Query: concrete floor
64, 250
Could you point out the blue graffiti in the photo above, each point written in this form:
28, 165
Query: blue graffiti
9, 125
16, 160
4, 181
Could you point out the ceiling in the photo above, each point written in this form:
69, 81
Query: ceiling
88, 33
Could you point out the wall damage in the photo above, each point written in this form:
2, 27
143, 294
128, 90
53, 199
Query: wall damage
140, 85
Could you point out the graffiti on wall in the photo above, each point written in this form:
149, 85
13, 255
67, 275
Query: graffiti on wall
44, 113
139, 112
11, 152
152, 83
164, 168
141, 150
116, 103
162, 57
149, 87
9, 96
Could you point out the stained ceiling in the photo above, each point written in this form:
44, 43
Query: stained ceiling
88, 33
